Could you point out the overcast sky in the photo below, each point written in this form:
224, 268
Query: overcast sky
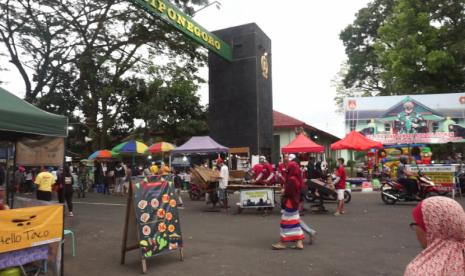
307, 52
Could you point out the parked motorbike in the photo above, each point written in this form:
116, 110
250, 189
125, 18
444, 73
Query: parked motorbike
195, 193
392, 191
311, 196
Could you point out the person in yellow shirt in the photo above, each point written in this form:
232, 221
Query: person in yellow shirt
154, 168
44, 180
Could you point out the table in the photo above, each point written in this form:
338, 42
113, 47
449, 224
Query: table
24, 256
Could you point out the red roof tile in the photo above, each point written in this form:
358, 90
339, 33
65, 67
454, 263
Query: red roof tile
283, 121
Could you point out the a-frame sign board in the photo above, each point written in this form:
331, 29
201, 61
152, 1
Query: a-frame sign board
151, 223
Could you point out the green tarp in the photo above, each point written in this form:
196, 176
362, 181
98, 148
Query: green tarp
17, 115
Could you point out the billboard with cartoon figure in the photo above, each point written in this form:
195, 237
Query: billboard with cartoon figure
407, 119
157, 216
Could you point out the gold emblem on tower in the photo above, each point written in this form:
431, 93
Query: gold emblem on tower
265, 65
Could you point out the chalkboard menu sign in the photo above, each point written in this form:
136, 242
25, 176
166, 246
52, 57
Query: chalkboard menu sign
158, 224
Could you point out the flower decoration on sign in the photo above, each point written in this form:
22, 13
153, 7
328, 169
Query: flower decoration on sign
161, 213
173, 203
161, 227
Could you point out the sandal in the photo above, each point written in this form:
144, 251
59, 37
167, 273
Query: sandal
299, 245
278, 246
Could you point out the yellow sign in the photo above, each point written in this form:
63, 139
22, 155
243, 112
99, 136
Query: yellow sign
28, 227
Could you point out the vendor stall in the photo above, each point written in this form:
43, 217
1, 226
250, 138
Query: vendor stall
38, 140
205, 179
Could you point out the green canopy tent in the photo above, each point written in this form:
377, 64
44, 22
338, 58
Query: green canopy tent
20, 116
20, 119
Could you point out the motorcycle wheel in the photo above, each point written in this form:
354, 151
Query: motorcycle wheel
310, 197
347, 197
386, 199
194, 196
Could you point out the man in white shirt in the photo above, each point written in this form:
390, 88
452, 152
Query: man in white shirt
223, 183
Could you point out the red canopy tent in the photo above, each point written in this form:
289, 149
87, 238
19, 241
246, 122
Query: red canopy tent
302, 144
356, 141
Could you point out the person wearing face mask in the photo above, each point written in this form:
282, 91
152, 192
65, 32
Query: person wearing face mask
440, 229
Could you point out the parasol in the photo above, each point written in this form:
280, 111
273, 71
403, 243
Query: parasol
102, 154
131, 147
160, 147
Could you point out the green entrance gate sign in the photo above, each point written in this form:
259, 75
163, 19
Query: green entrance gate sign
184, 23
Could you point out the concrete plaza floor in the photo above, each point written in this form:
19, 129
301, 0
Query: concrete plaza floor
371, 239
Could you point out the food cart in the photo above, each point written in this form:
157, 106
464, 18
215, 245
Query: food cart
255, 196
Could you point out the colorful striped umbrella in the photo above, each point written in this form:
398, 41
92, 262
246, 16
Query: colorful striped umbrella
161, 147
102, 154
131, 147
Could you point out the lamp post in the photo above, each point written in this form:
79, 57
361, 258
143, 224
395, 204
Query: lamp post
217, 5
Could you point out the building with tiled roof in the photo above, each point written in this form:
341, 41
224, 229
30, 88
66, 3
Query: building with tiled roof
286, 127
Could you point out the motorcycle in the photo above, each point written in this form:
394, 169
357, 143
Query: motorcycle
195, 193
392, 191
311, 195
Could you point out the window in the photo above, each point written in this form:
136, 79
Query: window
352, 124
387, 127
435, 126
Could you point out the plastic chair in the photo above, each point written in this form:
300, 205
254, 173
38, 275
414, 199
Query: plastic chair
69, 232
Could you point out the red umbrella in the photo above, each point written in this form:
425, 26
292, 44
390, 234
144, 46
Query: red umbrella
356, 141
302, 144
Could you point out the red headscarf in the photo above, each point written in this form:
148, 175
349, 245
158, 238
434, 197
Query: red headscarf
417, 215
444, 222
293, 184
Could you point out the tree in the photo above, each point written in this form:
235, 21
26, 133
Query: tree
35, 41
363, 70
84, 54
405, 47
170, 107
420, 47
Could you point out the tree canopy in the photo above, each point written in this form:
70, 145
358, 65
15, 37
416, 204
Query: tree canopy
89, 59
405, 47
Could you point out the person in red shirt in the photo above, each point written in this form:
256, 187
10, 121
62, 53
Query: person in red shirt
340, 184
268, 172
282, 171
257, 171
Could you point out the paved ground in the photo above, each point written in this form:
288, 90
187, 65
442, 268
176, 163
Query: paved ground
371, 239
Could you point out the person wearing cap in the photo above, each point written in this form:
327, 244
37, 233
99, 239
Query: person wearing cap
223, 183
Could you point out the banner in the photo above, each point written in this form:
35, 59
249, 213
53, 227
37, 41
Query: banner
28, 227
184, 23
257, 198
158, 223
40, 152
429, 119
441, 175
